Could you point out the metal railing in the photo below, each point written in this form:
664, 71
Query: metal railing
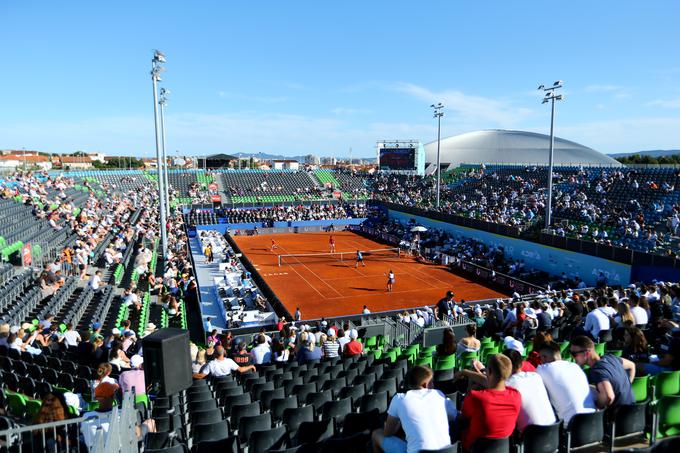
112, 432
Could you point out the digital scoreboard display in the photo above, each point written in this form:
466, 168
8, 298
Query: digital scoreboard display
398, 159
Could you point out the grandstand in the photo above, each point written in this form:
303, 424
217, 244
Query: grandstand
326, 398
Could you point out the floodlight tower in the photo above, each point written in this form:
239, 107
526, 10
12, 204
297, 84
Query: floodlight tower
156, 70
551, 96
438, 113
163, 101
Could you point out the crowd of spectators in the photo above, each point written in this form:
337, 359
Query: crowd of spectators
268, 215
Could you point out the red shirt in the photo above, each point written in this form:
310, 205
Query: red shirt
492, 413
528, 367
353, 348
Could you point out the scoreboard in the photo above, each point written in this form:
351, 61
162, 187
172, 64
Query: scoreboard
398, 159
401, 156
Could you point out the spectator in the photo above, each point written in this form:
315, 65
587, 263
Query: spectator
536, 408
262, 353
596, 319
470, 343
222, 366
353, 347
331, 347
71, 336
492, 412
422, 412
612, 376
566, 383
133, 379
104, 374
242, 357
281, 353
448, 345
307, 350
96, 281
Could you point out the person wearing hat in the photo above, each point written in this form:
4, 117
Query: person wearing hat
331, 347
132, 380
150, 328
353, 347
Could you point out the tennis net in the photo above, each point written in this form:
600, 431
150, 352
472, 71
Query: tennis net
368, 255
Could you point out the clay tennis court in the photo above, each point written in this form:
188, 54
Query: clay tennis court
325, 286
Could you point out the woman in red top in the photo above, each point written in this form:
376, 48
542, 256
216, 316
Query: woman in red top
492, 412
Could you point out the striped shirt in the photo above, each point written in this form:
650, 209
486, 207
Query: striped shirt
331, 349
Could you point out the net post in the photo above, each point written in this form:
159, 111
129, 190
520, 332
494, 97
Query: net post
279, 259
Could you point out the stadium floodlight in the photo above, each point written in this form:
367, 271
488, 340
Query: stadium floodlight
164, 170
438, 113
156, 69
550, 96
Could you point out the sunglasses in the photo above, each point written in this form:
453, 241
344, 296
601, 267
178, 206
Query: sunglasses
573, 353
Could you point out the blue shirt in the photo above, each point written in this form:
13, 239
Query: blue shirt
610, 368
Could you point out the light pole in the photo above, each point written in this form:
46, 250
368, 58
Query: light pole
438, 113
156, 70
551, 96
163, 101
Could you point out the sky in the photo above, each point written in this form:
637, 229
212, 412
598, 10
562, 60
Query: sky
301, 77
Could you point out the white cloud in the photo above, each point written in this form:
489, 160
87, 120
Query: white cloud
490, 111
665, 103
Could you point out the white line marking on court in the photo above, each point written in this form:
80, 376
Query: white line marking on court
315, 274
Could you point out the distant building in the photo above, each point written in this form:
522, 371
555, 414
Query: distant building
30, 160
312, 159
99, 157
74, 162
328, 161
286, 164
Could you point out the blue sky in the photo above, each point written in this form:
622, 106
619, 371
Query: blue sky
304, 77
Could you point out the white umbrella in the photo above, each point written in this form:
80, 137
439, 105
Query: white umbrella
419, 229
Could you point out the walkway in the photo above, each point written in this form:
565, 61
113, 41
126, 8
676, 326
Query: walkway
210, 303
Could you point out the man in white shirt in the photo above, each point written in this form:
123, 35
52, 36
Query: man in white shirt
343, 338
96, 281
71, 336
566, 383
536, 408
596, 320
422, 412
262, 353
639, 313
222, 366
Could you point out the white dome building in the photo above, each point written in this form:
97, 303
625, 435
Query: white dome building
512, 147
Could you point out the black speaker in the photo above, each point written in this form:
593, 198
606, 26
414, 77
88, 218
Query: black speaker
167, 360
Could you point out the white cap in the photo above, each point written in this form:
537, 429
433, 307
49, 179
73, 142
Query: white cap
512, 343
136, 361
530, 312
14, 329
353, 334
324, 323
330, 333
115, 331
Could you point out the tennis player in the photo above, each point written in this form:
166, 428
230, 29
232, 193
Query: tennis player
274, 246
360, 259
390, 281
331, 243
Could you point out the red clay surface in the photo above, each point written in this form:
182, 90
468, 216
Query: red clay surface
328, 287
